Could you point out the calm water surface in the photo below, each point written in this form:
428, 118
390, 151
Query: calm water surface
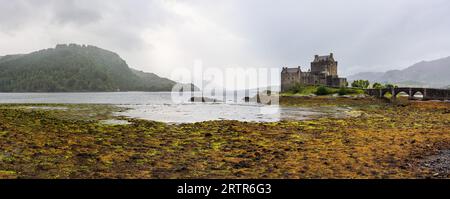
160, 106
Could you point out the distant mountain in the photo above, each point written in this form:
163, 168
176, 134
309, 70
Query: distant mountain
74, 68
434, 73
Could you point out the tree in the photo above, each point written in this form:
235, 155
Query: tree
377, 85
322, 90
361, 84
390, 86
343, 91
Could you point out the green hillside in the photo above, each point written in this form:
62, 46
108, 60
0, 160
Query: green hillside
74, 68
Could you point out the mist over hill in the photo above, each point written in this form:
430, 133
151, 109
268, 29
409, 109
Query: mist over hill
75, 68
434, 73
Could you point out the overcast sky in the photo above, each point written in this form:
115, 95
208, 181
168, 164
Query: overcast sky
157, 36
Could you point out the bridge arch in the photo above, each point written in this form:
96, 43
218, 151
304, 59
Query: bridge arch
405, 90
402, 92
417, 94
415, 90
386, 93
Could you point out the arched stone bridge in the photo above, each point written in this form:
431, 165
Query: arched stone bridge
427, 93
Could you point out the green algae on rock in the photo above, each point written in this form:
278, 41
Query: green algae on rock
384, 141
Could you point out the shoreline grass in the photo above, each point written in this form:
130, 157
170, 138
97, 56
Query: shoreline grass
304, 90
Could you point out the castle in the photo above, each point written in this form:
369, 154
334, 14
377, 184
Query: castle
323, 72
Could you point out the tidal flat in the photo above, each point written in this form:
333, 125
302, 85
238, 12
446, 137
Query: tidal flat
381, 140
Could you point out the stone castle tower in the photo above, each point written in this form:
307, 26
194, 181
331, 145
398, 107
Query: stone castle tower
323, 72
324, 64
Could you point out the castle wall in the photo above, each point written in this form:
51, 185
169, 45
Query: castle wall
318, 67
288, 80
339, 82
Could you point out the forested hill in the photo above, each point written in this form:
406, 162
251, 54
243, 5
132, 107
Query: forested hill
74, 68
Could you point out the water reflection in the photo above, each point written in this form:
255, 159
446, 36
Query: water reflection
160, 107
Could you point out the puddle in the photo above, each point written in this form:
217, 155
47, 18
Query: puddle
48, 107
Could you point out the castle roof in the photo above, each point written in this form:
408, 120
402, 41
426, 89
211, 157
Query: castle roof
291, 70
318, 58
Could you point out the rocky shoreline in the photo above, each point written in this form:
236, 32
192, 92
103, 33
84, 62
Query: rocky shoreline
385, 140
437, 166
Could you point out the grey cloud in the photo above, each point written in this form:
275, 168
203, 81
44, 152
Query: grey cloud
365, 35
370, 35
115, 23
76, 12
16, 14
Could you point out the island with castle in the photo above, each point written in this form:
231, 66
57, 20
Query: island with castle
323, 72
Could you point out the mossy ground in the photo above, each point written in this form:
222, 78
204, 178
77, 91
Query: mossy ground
384, 142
